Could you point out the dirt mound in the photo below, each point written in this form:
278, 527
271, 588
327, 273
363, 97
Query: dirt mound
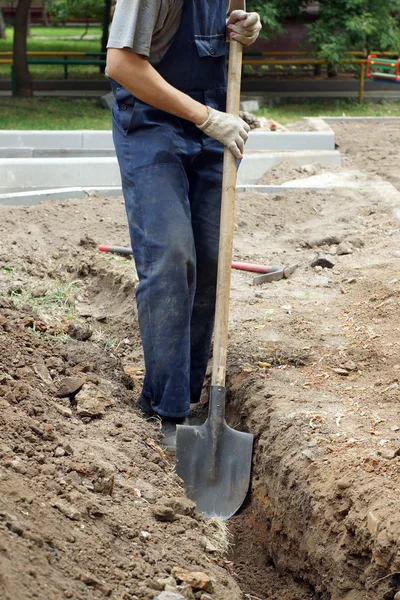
285, 171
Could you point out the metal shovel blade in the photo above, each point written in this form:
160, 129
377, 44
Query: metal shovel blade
214, 461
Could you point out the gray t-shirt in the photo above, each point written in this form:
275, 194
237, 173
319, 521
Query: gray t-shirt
147, 27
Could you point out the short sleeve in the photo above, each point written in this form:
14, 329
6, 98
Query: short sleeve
133, 25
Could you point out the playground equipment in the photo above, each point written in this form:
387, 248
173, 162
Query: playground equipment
383, 69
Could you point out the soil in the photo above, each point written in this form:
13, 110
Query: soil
90, 506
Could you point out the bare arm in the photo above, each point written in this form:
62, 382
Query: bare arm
138, 76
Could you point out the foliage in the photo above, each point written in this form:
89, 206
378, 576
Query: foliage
61, 11
342, 26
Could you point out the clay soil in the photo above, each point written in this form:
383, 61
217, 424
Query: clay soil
89, 504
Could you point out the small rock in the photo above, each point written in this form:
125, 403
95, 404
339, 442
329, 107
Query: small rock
372, 523
351, 280
387, 453
164, 513
42, 371
86, 240
160, 583
196, 579
144, 535
397, 596
322, 260
92, 401
169, 596
39, 292
182, 506
69, 386
79, 332
67, 510
205, 597
342, 372
396, 253
15, 526
344, 248
63, 410
59, 452
95, 583
209, 546
344, 484
350, 366
394, 428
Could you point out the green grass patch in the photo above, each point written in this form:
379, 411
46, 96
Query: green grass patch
290, 112
80, 113
53, 113
58, 299
56, 45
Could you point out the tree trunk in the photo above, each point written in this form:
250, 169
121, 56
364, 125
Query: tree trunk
106, 27
3, 33
22, 75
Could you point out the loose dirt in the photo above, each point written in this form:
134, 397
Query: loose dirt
90, 506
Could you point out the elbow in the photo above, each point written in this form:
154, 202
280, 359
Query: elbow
113, 63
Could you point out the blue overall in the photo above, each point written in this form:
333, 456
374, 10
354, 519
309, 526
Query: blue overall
172, 179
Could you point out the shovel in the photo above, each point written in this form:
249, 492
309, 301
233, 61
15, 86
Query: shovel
213, 459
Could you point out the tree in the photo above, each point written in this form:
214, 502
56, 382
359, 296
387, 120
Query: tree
3, 33
106, 27
23, 78
342, 25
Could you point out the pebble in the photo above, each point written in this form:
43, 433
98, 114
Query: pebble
95, 583
79, 332
394, 428
59, 451
344, 484
169, 596
91, 401
164, 513
343, 372
63, 410
397, 596
67, 510
386, 453
344, 248
15, 526
322, 260
39, 292
196, 579
69, 386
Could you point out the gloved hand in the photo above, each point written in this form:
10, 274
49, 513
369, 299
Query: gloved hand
229, 129
244, 27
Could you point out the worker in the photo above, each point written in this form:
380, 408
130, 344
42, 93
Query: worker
167, 63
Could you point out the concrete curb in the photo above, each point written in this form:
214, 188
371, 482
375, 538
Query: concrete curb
37, 142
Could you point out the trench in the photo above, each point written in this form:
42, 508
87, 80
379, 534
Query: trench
282, 548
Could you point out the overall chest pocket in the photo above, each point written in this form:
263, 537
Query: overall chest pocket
212, 46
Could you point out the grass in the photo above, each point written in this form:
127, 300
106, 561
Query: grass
53, 113
56, 45
290, 112
58, 298
78, 113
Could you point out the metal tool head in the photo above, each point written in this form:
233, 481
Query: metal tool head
236, 5
214, 462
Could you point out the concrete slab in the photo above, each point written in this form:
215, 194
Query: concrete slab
291, 140
40, 139
45, 173
254, 165
59, 172
36, 196
323, 138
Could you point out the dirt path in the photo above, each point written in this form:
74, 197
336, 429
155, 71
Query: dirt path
90, 506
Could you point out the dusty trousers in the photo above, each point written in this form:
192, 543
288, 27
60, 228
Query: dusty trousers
172, 177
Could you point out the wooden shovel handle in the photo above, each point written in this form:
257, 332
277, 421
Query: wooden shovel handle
227, 225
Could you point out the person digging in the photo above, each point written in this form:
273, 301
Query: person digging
166, 61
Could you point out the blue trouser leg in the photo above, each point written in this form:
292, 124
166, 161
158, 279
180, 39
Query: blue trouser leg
159, 219
205, 181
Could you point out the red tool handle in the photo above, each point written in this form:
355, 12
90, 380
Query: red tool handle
254, 268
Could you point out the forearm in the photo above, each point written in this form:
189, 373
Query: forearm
140, 78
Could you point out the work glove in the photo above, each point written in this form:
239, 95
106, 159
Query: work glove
229, 129
244, 27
